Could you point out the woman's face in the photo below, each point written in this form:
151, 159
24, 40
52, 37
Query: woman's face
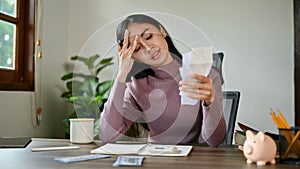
152, 48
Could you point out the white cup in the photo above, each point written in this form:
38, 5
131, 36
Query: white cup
82, 130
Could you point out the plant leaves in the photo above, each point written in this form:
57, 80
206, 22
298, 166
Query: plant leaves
107, 60
73, 75
66, 94
96, 126
84, 90
98, 98
75, 57
67, 122
102, 67
67, 76
89, 87
74, 85
88, 61
105, 86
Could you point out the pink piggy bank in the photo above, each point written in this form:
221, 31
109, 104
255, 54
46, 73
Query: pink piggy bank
259, 148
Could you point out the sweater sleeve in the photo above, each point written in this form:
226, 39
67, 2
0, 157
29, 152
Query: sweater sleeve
114, 120
213, 124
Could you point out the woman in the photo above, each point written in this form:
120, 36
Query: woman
153, 94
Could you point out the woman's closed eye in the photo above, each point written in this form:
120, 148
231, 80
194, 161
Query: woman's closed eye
149, 37
146, 38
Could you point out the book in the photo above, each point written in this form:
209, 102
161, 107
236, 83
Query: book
245, 127
144, 149
239, 137
14, 142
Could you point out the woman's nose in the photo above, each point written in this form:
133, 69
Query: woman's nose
146, 46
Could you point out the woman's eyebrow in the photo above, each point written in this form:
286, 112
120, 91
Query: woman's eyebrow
144, 31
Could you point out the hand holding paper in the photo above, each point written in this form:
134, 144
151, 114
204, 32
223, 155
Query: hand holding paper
198, 61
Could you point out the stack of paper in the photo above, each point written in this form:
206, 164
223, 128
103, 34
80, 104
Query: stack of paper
144, 149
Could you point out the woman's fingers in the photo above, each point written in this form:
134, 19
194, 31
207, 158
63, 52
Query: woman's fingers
201, 89
133, 46
119, 47
200, 85
125, 56
126, 37
199, 77
127, 52
125, 43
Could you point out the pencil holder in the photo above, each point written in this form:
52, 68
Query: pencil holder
289, 145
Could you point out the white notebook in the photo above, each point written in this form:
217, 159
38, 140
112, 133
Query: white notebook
144, 149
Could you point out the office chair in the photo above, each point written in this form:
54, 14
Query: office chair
230, 108
230, 100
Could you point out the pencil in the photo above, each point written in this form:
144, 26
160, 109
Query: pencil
281, 123
283, 120
277, 121
294, 140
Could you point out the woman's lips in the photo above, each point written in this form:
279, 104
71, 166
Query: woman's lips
155, 55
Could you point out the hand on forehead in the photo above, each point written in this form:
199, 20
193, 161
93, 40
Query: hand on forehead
141, 30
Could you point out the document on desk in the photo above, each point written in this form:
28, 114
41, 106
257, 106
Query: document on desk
144, 149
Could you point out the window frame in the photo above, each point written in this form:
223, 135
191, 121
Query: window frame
22, 78
297, 60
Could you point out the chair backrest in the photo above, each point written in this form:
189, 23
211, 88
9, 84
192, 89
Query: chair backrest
230, 107
217, 64
230, 100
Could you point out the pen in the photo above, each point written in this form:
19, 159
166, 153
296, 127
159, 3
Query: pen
142, 148
54, 148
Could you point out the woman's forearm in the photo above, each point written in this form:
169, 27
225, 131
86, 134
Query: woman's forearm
112, 123
214, 125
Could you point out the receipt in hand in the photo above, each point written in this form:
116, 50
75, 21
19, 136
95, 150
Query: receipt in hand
198, 60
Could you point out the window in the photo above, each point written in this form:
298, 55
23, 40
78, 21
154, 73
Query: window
17, 45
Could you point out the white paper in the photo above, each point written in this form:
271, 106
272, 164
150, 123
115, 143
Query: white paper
70, 159
111, 148
143, 149
185, 100
166, 150
198, 60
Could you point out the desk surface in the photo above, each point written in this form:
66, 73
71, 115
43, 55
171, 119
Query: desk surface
200, 157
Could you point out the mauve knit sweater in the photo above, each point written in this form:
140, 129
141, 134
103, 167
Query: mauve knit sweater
155, 99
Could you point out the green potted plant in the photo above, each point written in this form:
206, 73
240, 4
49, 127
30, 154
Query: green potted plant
86, 91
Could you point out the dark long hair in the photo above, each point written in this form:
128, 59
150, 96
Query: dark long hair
141, 18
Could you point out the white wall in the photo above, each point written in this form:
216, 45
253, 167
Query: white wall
17, 114
255, 35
